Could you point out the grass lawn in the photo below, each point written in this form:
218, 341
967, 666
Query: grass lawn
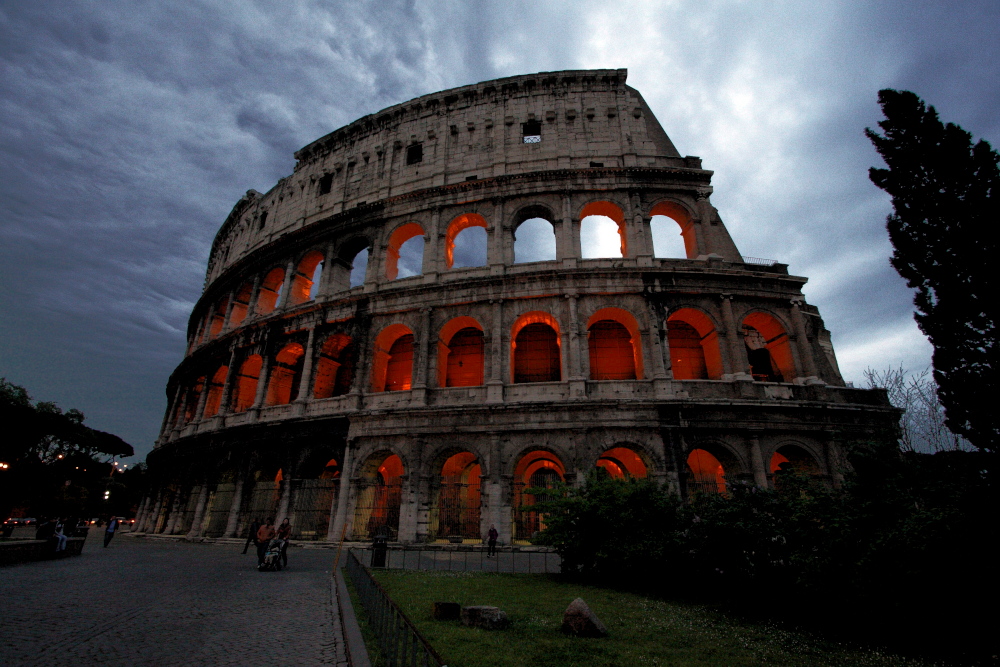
642, 631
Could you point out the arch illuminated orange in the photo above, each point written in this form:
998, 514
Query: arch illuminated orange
608, 210
401, 235
610, 359
456, 226
538, 359
461, 353
682, 217
302, 280
771, 348
694, 345
392, 366
622, 461
283, 385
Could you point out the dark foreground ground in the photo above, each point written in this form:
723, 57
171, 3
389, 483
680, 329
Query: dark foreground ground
157, 602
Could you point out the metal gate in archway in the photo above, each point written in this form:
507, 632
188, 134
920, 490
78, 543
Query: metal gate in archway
377, 509
458, 508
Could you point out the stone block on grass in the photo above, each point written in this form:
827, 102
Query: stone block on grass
580, 621
447, 611
487, 618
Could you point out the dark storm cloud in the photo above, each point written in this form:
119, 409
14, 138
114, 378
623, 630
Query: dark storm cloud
129, 131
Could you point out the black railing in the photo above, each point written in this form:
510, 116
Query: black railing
399, 642
469, 558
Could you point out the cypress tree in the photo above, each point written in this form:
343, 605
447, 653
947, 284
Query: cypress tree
945, 198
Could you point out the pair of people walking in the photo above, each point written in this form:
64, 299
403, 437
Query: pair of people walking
261, 535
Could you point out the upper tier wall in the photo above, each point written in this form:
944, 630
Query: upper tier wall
587, 118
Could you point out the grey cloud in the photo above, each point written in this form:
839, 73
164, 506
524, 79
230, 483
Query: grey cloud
131, 130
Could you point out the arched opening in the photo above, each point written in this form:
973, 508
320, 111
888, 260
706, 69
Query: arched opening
535, 349
620, 462
539, 469
405, 253
392, 367
534, 241
218, 318
465, 241
458, 498
792, 457
461, 353
694, 346
769, 353
707, 473
306, 280
380, 491
331, 470
602, 231
245, 386
241, 304
335, 367
614, 342
359, 268
270, 291
665, 219
286, 373
214, 399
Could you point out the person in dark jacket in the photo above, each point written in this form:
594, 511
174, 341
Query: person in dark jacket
492, 541
109, 532
252, 534
284, 534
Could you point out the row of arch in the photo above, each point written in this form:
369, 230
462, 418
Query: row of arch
455, 492
603, 226
614, 350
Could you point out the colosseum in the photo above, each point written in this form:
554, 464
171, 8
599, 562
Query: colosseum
480, 291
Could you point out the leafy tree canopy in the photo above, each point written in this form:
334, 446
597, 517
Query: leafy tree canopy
42, 430
944, 191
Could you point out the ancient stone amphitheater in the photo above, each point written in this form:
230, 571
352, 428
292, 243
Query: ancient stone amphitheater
412, 329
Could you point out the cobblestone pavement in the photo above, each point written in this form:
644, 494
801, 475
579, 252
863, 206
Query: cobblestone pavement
158, 602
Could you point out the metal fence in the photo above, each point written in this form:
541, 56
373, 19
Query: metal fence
399, 642
508, 560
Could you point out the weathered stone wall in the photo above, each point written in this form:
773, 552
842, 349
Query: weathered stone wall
232, 448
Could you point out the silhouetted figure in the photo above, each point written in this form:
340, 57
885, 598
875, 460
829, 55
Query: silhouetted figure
59, 533
492, 541
284, 534
252, 534
109, 532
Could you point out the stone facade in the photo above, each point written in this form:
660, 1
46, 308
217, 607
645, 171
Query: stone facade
414, 405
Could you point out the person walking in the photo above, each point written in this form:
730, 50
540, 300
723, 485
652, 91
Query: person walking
492, 541
252, 534
264, 536
284, 534
109, 532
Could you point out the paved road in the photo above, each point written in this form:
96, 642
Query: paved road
156, 602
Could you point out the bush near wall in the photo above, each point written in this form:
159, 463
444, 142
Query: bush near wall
901, 554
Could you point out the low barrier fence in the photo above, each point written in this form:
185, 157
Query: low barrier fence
399, 642
507, 560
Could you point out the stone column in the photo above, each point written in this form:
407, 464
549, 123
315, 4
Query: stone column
421, 357
206, 517
265, 368
434, 262
286, 286
286, 498
307, 366
175, 514
566, 252
834, 463
180, 421
737, 357
254, 294
495, 239
326, 278
229, 311
338, 510
757, 461
199, 512
808, 363
495, 383
232, 523
227, 387
578, 358
149, 522
140, 516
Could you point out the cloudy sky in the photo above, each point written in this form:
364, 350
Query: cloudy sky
129, 130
